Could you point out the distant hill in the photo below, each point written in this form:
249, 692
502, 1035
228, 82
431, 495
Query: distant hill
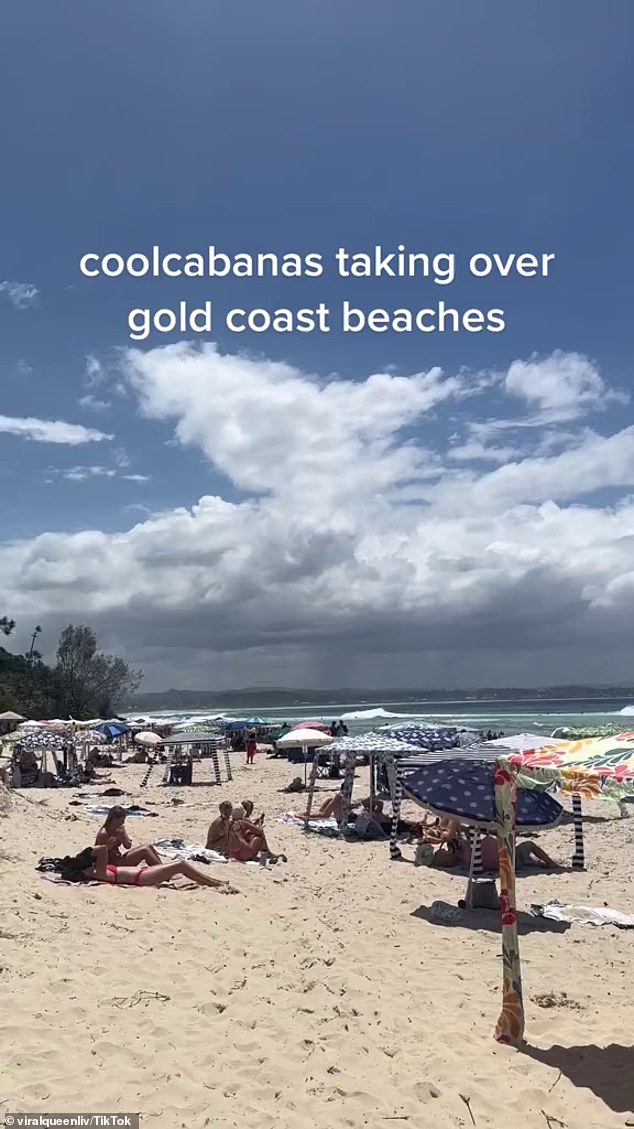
287, 698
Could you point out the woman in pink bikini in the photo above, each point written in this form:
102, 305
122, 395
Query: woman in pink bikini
104, 871
114, 836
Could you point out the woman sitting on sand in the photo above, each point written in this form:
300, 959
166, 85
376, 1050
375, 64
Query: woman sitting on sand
331, 808
114, 837
247, 841
92, 864
248, 808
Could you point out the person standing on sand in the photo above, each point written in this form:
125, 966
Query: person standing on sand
251, 746
114, 837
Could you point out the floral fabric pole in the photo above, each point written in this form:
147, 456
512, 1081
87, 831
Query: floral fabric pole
510, 1025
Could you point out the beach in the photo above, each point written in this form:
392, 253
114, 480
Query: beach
321, 995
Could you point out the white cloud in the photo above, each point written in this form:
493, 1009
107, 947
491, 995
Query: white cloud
95, 373
93, 404
353, 555
87, 473
19, 294
561, 387
51, 431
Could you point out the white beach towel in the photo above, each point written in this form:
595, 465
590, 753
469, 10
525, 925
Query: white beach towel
584, 915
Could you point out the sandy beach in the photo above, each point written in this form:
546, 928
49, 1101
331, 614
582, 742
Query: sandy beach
321, 996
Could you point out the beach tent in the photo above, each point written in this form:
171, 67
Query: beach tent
112, 729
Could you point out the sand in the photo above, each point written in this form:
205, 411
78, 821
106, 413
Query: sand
321, 996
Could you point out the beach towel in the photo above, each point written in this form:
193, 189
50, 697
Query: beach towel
327, 826
584, 915
193, 852
103, 810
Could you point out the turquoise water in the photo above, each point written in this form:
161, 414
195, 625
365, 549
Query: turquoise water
526, 715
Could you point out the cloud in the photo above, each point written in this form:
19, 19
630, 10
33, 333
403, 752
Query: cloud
561, 387
95, 373
21, 295
95, 376
87, 473
350, 551
93, 404
51, 431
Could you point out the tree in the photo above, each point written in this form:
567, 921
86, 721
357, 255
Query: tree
6, 625
90, 683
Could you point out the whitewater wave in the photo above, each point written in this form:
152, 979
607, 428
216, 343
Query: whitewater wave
369, 715
628, 711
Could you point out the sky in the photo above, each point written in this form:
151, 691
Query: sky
334, 509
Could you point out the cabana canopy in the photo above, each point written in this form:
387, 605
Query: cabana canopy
193, 738
426, 738
465, 789
593, 767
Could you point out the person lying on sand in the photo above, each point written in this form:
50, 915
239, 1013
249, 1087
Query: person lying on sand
114, 837
218, 833
527, 854
103, 871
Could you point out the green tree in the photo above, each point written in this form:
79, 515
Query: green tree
6, 625
89, 683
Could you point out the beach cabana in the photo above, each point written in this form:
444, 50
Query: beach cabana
183, 747
603, 767
590, 768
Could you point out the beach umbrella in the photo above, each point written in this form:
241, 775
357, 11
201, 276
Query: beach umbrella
319, 725
147, 737
89, 737
304, 739
11, 715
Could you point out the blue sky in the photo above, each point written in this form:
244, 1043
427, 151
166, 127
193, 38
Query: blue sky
286, 127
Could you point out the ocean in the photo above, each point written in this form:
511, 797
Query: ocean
527, 715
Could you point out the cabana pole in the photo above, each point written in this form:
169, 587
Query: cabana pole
346, 789
578, 859
311, 793
216, 764
228, 763
510, 1025
396, 789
